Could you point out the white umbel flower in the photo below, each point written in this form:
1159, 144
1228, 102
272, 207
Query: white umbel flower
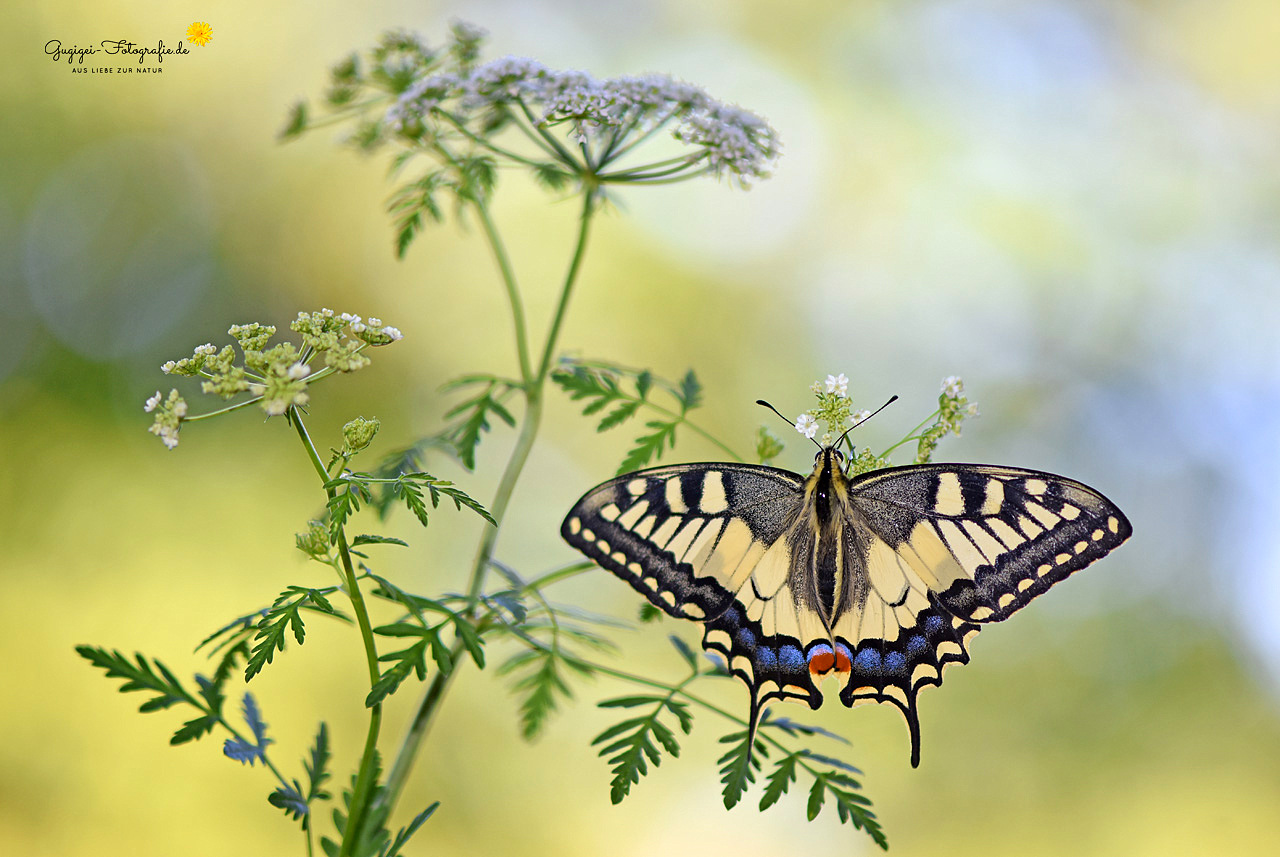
807, 425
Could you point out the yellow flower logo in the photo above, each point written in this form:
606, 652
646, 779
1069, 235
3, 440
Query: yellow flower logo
200, 33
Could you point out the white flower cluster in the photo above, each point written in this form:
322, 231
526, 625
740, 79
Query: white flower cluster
732, 140
170, 412
834, 409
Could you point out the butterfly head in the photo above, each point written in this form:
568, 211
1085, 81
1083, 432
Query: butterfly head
827, 485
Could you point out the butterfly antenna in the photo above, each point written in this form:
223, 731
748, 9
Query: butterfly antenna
785, 419
892, 399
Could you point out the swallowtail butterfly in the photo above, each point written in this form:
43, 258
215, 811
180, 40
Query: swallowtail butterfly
879, 580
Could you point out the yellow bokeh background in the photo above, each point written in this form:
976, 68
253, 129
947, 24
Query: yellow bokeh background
1073, 205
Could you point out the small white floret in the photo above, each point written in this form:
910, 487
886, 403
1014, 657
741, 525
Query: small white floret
807, 425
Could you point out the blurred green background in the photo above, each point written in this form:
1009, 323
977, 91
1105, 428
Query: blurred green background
1073, 205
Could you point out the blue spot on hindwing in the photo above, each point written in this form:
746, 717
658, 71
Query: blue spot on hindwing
868, 661
895, 662
766, 660
791, 659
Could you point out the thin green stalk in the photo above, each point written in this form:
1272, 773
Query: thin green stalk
533, 390
911, 435
675, 179
615, 154
584, 223
678, 162
541, 130
481, 141
694, 427
364, 779
512, 288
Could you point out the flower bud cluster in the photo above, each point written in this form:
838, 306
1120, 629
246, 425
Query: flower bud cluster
953, 409
835, 409
277, 375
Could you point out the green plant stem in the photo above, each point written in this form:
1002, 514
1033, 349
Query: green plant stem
533, 390
368, 760
512, 288
911, 435
584, 223
613, 153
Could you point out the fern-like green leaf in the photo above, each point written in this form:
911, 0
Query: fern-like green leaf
782, 776
280, 618
541, 686
650, 447
630, 746
739, 765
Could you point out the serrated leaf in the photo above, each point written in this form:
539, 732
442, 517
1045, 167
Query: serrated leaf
403, 835
466, 435
649, 613
253, 718
768, 447
631, 748
280, 618
550, 175
793, 728
140, 675
290, 799
407, 661
242, 751
366, 539
510, 601
618, 416
649, 447
470, 638
296, 123
685, 652
782, 776
195, 729
738, 766
816, 796
644, 383
542, 686
836, 763
690, 394
317, 767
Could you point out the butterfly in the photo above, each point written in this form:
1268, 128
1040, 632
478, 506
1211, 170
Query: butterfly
879, 580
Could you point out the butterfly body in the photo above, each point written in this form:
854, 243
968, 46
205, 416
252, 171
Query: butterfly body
878, 580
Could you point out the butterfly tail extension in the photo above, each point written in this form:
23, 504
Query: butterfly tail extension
896, 663
912, 714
